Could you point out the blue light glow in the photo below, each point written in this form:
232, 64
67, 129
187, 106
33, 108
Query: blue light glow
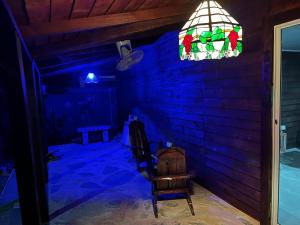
91, 78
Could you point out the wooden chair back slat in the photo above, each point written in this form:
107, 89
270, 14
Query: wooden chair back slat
171, 162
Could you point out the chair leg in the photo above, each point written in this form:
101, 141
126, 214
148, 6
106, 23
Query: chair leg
189, 200
154, 203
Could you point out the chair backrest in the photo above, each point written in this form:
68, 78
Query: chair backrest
137, 134
171, 161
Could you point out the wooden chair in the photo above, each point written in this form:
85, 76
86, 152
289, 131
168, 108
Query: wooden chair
139, 144
171, 176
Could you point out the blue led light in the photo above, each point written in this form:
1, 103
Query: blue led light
91, 78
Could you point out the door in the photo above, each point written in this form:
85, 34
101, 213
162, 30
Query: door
286, 125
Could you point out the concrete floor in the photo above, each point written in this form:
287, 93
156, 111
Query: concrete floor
98, 185
289, 196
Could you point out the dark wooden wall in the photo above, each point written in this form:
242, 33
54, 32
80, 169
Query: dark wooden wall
290, 101
211, 108
5, 153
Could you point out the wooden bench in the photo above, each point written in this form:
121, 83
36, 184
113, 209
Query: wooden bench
85, 132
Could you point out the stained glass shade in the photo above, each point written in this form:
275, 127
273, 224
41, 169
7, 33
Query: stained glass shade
210, 33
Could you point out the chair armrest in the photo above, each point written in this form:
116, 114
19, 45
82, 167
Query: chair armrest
171, 177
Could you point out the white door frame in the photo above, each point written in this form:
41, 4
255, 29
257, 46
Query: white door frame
276, 117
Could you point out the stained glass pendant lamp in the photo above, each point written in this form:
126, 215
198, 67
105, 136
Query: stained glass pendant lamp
210, 33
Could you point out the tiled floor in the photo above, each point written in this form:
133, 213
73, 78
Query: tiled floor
98, 185
289, 196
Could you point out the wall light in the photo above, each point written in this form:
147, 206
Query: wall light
91, 78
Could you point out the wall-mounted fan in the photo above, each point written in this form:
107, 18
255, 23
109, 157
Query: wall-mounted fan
128, 56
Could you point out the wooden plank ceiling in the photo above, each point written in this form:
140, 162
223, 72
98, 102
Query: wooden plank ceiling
53, 28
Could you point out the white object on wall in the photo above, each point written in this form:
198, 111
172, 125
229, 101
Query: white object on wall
283, 138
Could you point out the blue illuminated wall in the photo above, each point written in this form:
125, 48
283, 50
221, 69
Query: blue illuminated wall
210, 108
78, 108
69, 105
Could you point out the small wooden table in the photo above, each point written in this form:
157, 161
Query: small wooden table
85, 132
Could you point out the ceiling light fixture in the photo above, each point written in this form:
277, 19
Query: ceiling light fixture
210, 33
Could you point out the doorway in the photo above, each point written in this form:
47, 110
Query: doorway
286, 125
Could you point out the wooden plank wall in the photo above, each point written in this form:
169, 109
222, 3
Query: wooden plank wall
211, 108
290, 110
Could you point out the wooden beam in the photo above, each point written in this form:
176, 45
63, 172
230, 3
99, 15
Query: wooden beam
105, 36
82, 8
148, 4
90, 23
79, 57
134, 5
118, 6
38, 11
101, 7
77, 65
60, 10
282, 8
19, 11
